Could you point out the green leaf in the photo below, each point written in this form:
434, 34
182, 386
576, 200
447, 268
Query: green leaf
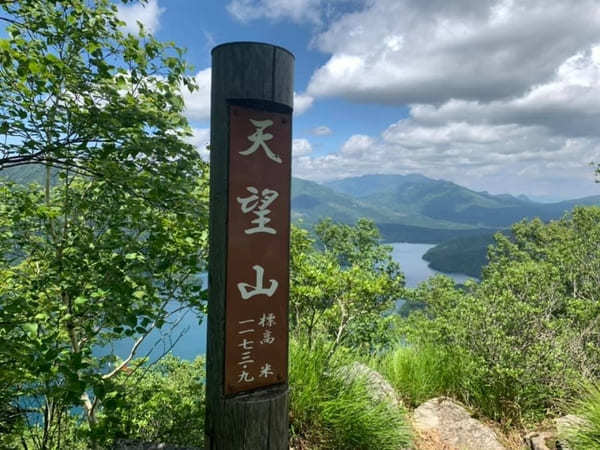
30, 328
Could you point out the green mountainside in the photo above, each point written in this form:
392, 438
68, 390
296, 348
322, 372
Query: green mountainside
312, 201
463, 254
432, 211
461, 221
371, 184
407, 208
26, 174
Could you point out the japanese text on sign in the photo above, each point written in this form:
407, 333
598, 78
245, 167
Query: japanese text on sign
258, 249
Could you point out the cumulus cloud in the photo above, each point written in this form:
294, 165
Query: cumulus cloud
321, 131
302, 102
569, 104
301, 147
148, 14
412, 51
502, 95
497, 157
197, 103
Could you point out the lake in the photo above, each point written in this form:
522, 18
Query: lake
189, 338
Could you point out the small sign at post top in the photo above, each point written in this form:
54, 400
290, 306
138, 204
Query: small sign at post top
256, 328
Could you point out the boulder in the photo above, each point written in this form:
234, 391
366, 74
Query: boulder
379, 388
450, 424
565, 423
540, 440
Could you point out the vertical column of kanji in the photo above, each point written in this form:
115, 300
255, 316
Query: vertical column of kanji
252, 95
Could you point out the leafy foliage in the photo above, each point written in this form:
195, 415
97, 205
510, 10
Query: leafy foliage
91, 266
78, 93
160, 403
121, 238
529, 330
342, 284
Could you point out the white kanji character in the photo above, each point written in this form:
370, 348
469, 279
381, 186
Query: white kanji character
266, 370
258, 139
267, 320
247, 290
246, 344
246, 359
245, 377
251, 203
267, 337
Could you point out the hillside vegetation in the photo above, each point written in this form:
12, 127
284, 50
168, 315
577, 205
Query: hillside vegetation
414, 208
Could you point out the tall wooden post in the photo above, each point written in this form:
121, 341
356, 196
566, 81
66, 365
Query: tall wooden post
250, 175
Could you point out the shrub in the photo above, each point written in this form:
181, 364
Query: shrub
162, 403
500, 347
528, 333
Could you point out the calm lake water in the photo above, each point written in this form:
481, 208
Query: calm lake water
189, 338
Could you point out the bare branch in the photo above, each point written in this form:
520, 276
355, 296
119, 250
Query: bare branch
131, 355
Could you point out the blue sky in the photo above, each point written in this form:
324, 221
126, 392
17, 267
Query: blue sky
496, 95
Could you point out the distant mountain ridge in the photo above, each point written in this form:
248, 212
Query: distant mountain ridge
420, 209
407, 208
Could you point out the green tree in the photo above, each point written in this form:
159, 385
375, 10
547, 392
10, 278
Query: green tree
343, 283
529, 331
162, 403
114, 250
78, 93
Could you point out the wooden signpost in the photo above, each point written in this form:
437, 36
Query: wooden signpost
247, 345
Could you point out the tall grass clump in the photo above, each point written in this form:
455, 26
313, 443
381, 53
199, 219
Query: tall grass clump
419, 373
585, 434
333, 411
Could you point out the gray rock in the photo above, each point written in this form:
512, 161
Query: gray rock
540, 440
565, 423
379, 388
453, 426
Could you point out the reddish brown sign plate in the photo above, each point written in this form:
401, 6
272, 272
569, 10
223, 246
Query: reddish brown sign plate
256, 327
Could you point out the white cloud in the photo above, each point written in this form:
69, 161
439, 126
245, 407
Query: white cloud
357, 145
296, 10
200, 139
197, 103
499, 158
414, 51
503, 95
569, 104
148, 14
301, 147
321, 131
302, 102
